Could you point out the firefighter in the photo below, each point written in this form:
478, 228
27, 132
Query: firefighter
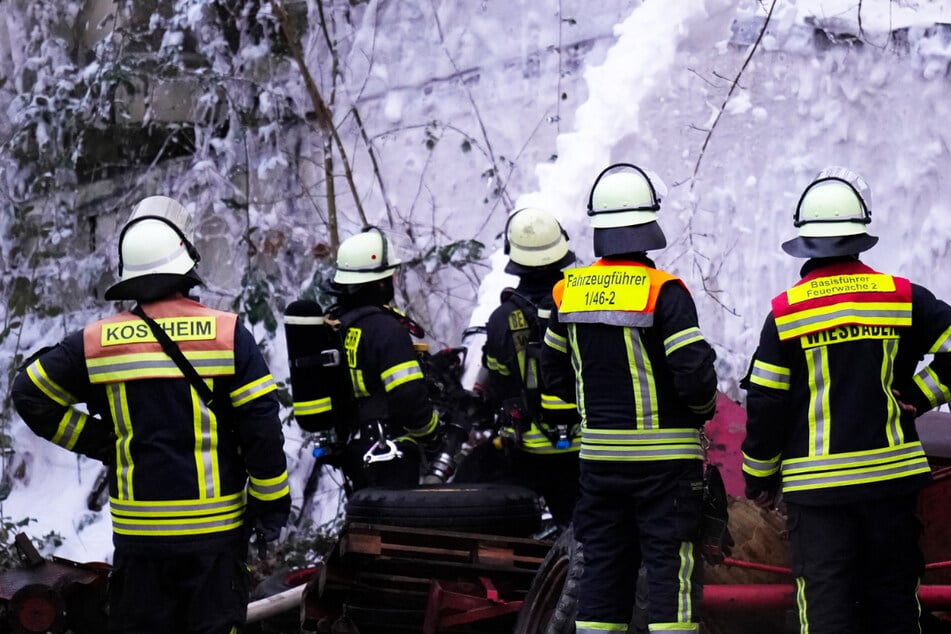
625, 336
545, 433
832, 397
395, 418
187, 422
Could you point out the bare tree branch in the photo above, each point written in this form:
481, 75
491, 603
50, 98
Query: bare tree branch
736, 82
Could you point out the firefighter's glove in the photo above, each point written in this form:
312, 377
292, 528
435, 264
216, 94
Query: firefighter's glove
271, 527
716, 542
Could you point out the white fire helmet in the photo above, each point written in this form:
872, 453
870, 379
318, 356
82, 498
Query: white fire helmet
365, 257
534, 238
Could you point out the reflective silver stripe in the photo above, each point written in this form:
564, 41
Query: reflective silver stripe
543, 313
359, 387
609, 317
70, 427
936, 391
658, 444
853, 460
177, 508
155, 365
309, 408
942, 344
855, 312
857, 476
556, 341
47, 385
253, 390
707, 407
550, 401
889, 351
684, 598
269, 488
302, 320
493, 364
399, 374
642, 380
154, 264
177, 526
769, 375
761, 468
817, 363
598, 627
577, 366
426, 429
119, 408
680, 339
205, 441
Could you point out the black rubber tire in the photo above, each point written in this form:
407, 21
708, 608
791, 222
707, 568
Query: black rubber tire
552, 600
472, 508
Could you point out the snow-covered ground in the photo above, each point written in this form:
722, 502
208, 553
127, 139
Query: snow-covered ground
736, 137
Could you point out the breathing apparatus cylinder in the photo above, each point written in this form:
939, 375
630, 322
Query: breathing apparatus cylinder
320, 380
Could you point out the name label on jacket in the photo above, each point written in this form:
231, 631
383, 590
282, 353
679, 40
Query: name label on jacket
605, 288
841, 334
840, 285
178, 329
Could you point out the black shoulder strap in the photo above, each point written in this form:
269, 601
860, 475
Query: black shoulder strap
173, 351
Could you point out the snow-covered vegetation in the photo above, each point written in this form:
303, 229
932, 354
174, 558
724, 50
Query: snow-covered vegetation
286, 125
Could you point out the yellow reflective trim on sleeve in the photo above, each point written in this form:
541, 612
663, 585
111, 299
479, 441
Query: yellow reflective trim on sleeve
70, 427
770, 375
267, 489
253, 390
942, 343
400, 374
761, 468
426, 429
48, 386
680, 339
932, 387
556, 341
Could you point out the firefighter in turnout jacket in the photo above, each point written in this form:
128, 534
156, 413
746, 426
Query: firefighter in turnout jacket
193, 467
395, 417
625, 341
546, 432
832, 397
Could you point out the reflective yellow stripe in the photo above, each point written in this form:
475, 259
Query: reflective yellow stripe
802, 605
47, 385
493, 364
932, 387
761, 468
942, 343
685, 600
555, 341
70, 427
586, 627
253, 390
769, 375
680, 339
309, 408
359, 387
151, 509
426, 429
857, 467
205, 429
269, 488
817, 364
642, 380
119, 407
153, 365
640, 444
552, 402
896, 436
178, 526
401, 373
823, 317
